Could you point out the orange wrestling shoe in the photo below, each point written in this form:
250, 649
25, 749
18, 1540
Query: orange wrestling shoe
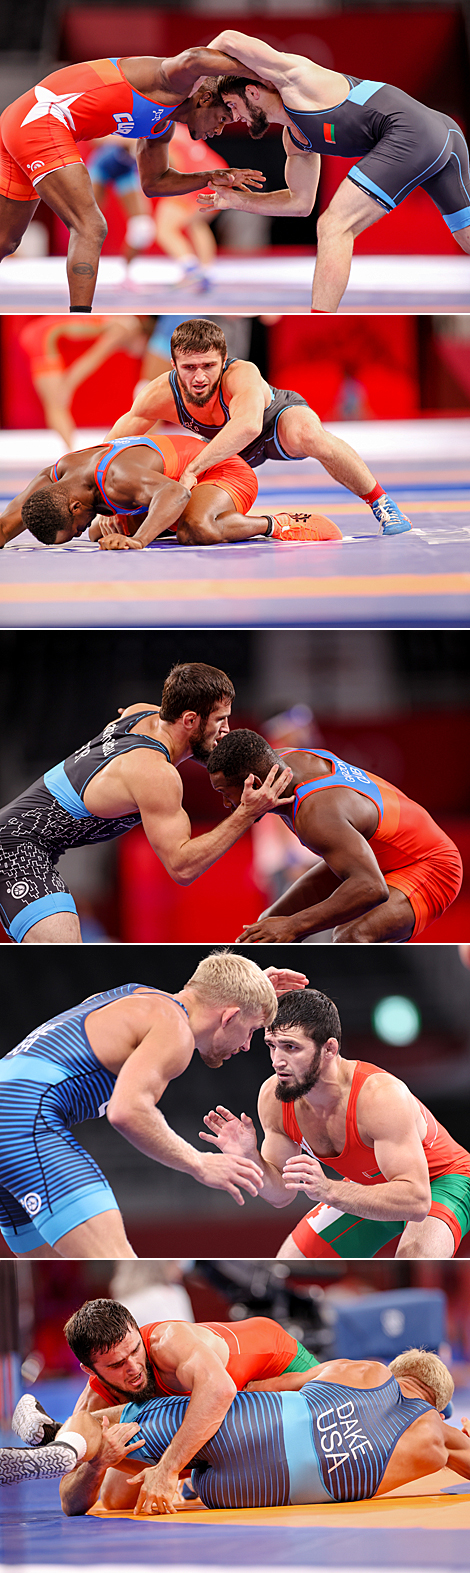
304, 527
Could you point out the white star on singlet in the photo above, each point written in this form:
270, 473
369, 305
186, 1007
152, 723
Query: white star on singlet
56, 104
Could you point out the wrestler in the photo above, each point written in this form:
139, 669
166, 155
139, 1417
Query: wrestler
211, 1361
127, 775
386, 870
230, 405
134, 485
399, 143
403, 1176
114, 1055
358, 1429
136, 96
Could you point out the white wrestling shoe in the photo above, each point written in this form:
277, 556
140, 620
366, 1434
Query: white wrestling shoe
42, 1463
31, 1422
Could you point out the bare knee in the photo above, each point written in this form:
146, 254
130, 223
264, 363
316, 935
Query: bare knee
90, 226
354, 933
197, 532
116, 1492
329, 225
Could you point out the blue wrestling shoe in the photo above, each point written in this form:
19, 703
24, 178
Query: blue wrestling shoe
389, 516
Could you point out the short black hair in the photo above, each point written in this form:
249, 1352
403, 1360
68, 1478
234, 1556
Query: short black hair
191, 685
96, 1327
238, 84
241, 752
311, 1010
46, 512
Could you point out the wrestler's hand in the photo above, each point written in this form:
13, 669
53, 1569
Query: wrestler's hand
120, 543
465, 1423
229, 1172
213, 201
157, 1490
267, 929
264, 798
118, 1441
283, 980
188, 478
303, 1173
230, 1134
236, 179
109, 524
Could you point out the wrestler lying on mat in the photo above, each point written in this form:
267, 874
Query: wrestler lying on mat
356, 1430
134, 484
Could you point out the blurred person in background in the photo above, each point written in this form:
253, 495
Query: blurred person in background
153, 1291
44, 340
112, 166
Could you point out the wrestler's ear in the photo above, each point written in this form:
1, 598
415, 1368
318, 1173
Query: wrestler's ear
228, 1014
331, 1047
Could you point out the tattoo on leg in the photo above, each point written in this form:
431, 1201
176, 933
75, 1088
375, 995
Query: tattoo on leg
84, 268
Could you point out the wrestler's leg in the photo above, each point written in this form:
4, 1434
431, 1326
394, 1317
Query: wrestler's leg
462, 236
14, 220
302, 435
69, 193
210, 516
426, 1240
393, 922
103, 1237
350, 212
61, 929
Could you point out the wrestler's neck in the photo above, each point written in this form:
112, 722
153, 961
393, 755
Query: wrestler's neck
411, 1387
333, 1085
305, 767
175, 735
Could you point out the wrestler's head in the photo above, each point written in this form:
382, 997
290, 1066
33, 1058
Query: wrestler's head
199, 351
424, 1369
58, 513
246, 754
229, 998
305, 1032
257, 103
200, 697
106, 1340
206, 112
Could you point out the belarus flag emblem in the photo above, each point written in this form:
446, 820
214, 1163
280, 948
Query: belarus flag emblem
328, 132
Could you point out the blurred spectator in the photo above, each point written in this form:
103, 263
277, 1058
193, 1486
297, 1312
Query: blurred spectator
182, 231
56, 382
152, 1291
112, 165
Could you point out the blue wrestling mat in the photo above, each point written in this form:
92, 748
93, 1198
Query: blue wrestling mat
34, 1534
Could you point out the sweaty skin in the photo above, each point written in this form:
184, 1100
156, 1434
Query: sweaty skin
428, 1445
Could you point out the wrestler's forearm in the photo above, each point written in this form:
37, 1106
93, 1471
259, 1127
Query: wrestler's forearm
290, 1382
144, 1126
394, 1200
351, 900
80, 1490
165, 509
285, 203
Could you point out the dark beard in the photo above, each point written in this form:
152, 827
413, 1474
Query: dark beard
144, 1393
200, 399
258, 125
199, 749
299, 1088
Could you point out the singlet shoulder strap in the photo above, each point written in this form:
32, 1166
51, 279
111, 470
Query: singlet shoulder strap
290, 1124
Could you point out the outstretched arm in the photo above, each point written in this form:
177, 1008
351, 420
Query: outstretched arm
168, 828
11, 522
302, 173
133, 1109
180, 73
232, 1135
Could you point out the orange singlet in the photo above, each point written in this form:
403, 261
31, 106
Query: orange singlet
357, 1162
39, 132
413, 853
258, 1349
231, 475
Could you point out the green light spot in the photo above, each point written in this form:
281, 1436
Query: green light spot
396, 1019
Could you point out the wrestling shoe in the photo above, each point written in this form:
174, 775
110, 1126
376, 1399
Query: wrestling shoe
32, 1424
24, 1463
303, 527
392, 521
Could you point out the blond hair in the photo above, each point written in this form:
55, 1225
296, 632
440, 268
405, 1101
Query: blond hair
426, 1367
225, 979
